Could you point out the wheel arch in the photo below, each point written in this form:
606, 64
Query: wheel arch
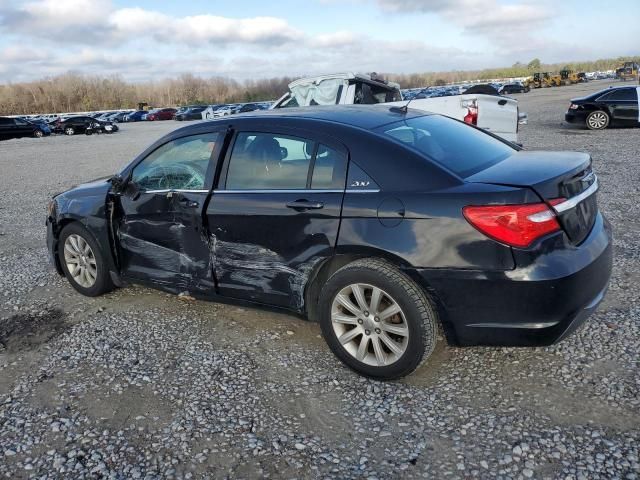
327, 268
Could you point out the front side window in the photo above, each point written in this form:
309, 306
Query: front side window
178, 165
620, 94
459, 147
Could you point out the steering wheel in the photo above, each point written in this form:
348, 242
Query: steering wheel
179, 176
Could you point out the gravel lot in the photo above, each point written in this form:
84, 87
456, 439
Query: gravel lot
141, 384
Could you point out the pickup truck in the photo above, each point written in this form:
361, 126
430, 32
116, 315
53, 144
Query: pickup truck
496, 114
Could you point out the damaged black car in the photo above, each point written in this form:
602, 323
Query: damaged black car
383, 224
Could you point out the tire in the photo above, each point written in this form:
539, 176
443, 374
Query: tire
101, 280
597, 120
38, 133
69, 131
415, 323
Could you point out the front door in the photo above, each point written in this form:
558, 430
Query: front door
160, 232
275, 215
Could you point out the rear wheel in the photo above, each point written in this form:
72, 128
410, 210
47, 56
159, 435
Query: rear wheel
82, 261
597, 120
376, 320
69, 131
38, 134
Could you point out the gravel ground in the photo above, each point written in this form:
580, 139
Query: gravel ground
141, 384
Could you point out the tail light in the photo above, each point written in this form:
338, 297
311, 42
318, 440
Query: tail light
472, 114
515, 225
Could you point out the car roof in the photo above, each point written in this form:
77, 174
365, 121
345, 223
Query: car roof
367, 117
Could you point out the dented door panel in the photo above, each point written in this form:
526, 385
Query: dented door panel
265, 251
161, 240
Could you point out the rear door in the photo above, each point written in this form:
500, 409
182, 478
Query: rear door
276, 213
623, 105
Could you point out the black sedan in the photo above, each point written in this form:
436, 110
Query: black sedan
613, 106
510, 88
380, 223
80, 124
20, 127
190, 113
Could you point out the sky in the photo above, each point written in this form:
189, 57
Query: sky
142, 40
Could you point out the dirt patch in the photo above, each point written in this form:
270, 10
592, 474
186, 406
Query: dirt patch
25, 331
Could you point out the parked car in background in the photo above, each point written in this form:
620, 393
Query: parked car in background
161, 114
208, 113
613, 106
18, 128
79, 124
190, 113
515, 87
224, 110
250, 107
135, 116
117, 117
305, 212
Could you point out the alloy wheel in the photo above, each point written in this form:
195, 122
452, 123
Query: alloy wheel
369, 324
597, 120
80, 261
69, 131
38, 134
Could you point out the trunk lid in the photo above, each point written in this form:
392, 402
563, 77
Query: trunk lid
552, 175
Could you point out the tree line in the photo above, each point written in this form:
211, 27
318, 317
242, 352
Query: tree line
74, 92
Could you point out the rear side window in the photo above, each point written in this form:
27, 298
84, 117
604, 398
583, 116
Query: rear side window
266, 161
329, 169
460, 148
621, 94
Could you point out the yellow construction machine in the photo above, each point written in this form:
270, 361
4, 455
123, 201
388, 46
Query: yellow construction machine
568, 77
628, 71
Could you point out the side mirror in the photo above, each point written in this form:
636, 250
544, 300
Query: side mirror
118, 183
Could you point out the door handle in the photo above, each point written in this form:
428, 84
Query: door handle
305, 205
185, 202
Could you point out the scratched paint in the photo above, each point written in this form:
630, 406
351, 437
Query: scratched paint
256, 266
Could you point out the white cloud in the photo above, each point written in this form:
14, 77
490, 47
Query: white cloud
507, 25
203, 28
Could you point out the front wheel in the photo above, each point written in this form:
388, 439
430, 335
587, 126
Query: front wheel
597, 120
376, 320
69, 131
83, 262
38, 134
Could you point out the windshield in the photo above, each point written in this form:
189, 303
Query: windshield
456, 146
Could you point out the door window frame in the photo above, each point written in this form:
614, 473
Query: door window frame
214, 158
303, 135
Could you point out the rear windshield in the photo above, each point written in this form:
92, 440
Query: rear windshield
462, 149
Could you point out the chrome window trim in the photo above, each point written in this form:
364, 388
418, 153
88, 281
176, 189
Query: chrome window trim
175, 190
301, 190
573, 201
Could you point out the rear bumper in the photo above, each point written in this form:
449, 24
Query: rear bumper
533, 305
